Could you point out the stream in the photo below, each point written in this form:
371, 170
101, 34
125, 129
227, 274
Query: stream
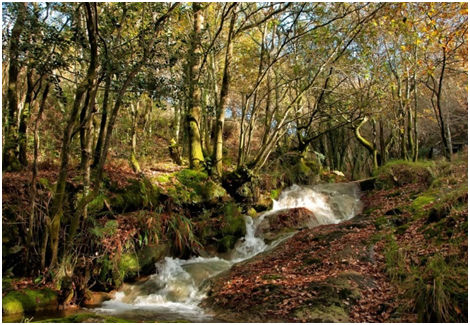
178, 286
174, 292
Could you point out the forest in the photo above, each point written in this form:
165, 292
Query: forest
140, 132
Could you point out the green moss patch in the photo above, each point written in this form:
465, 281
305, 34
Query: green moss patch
400, 173
28, 300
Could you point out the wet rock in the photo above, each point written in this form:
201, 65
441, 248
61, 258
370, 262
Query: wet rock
286, 220
97, 298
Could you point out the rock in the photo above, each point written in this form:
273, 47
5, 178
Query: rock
28, 300
287, 219
97, 298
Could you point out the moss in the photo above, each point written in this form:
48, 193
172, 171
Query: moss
421, 201
275, 193
7, 284
97, 204
211, 191
226, 243
381, 222
401, 230
29, 301
191, 178
400, 173
129, 264
324, 314
138, 195
252, 212
329, 305
234, 226
162, 179
85, 318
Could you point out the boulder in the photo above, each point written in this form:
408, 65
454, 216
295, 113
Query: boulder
285, 220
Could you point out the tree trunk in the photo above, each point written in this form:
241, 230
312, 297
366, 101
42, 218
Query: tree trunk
24, 118
10, 150
377, 159
224, 91
445, 132
196, 157
59, 194
133, 159
33, 189
104, 117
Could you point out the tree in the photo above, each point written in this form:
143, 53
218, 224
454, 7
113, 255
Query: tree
10, 149
196, 157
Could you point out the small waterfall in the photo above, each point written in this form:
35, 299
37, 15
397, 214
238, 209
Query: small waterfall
178, 286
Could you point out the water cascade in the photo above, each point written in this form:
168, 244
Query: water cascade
177, 288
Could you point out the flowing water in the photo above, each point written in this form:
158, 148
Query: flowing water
177, 288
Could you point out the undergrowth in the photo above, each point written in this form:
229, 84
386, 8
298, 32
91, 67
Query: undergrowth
428, 259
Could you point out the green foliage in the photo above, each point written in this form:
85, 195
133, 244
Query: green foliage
129, 265
107, 230
396, 259
180, 230
191, 178
226, 243
440, 291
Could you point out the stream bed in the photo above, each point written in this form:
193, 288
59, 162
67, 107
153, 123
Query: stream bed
175, 291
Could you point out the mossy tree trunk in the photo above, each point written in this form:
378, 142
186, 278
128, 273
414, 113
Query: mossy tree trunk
196, 156
24, 118
134, 117
377, 159
10, 149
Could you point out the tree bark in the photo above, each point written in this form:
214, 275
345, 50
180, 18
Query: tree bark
10, 150
29, 236
59, 194
224, 91
196, 157
377, 159
104, 118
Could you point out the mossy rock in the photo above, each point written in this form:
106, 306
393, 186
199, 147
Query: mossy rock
264, 203
226, 243
234, 226
400, 173
133, 264
194, 187
331, 305
85, 318
137, 196
16, 302
252, 212
211, 191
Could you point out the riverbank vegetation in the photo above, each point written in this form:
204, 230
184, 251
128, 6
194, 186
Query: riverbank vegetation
135, 131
